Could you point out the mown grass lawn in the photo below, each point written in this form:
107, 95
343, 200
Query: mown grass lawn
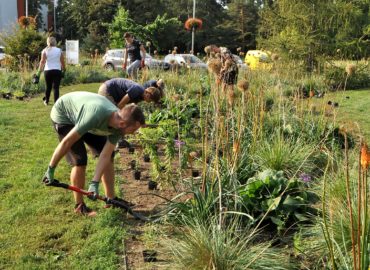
353, 110
38, 228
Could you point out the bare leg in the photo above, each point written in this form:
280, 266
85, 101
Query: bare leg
78, 175
108, 180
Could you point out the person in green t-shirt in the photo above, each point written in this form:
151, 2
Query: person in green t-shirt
83, 117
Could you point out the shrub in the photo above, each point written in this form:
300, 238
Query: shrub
23, 41
337, 78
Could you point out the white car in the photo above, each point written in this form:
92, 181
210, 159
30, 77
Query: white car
2, 54
113, 60
188, 60
239, 61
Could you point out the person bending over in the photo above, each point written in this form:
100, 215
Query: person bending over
123, 91
81, 118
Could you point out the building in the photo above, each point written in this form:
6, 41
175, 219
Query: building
11, 10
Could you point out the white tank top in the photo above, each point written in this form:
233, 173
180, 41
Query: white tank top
52, 58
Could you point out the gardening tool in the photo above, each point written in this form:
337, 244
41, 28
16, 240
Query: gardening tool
116, 203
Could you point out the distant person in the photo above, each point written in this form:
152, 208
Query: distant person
229, 70
124, 91
53, 65
81, 118
155, 83
133, 48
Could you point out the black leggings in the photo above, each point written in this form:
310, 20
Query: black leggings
52, 78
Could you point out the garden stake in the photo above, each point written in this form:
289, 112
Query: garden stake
117, 203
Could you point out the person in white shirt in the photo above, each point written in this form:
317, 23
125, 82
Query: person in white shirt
53, 65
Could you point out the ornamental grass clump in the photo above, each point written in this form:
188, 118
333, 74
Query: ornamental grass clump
207, 246
287, 155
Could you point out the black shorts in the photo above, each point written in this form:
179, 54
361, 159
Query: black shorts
77, 155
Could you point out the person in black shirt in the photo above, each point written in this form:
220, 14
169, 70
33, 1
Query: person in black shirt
133, 49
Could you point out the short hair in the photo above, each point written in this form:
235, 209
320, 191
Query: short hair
51, 41
127, 35
154, 94
131, 114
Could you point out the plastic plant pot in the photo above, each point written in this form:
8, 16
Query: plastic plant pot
133, 164
195, 173
149, 255
137, 175
152, 185
146, 158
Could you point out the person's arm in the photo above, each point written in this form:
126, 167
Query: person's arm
62, 62
59, 152
64, 146
124, 65
123, 102
42, 63
142, 49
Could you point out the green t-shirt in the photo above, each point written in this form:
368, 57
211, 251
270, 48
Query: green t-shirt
88, 112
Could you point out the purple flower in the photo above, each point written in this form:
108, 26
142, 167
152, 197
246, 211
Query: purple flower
178, 143
305, 177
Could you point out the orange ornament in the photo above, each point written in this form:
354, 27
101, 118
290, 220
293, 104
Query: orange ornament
365, 156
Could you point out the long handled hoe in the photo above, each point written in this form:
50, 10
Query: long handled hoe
116, 203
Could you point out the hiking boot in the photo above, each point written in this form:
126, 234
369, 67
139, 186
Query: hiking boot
109, 205
82, 209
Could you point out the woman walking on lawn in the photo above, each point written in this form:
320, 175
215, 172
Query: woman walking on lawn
83, 117
52, 63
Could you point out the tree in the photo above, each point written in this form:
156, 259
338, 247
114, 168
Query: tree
243, 20
150, 32
310, 28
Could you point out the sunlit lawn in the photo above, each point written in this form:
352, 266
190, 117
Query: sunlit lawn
353, 110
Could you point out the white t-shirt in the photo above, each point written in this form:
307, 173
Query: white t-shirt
52, 58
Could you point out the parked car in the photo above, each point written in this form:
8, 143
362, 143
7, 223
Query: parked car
113, 60
257, 59
239, 61
188, 60
2, 55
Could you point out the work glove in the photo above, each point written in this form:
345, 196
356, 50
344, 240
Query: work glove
38, 73
48, 178
94, 189
142, 63
63, 73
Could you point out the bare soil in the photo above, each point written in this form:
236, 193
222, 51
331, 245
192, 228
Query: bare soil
147, 203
